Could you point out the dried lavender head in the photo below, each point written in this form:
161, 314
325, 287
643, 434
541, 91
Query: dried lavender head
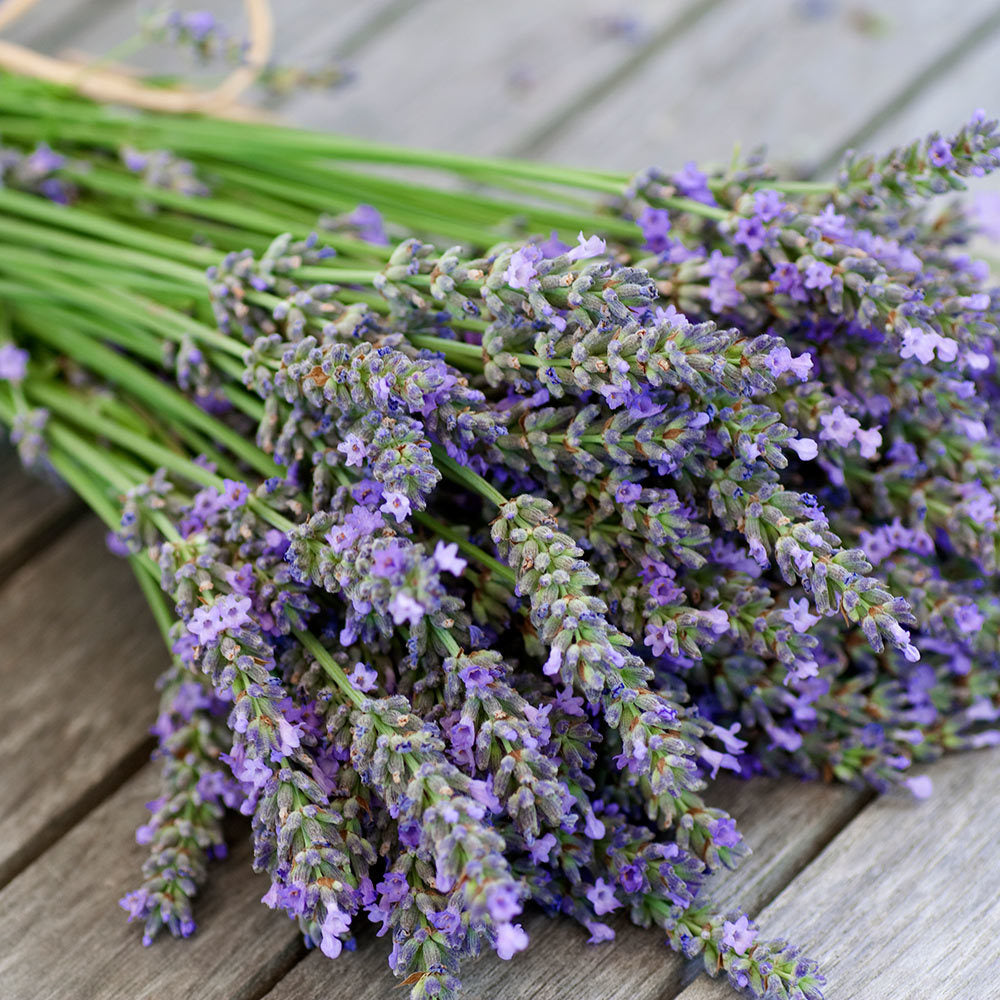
185, 830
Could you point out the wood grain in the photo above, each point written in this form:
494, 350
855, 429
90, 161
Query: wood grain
637, 965
78, 657
307, 35
338, 33
478, 77
902, 904
946, 79
944, 107
63, 935
949, 103
32, 513
797, 82
50, 24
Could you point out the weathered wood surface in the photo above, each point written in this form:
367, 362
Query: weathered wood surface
786, 823
79, 657
796, 82
972, 83
31, 513
898, 902
484, 76
64, 937
49, 24
903, 902
308, 35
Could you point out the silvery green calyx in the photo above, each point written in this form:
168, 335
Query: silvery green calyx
923, 168
659, 743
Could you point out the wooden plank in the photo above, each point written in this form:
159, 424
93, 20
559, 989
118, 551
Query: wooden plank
787, 822
32, 513
559, 964
306, 40
78, 657
903, 902
476, 78
794, 80
939, 96
50, 24
311, 44
944, 107
303, 37
949, 102
80, 945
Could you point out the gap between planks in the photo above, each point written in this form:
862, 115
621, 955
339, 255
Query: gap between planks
902, 904
517, 63
796, 81
562, 119
79, 655
80, 945
975, 38
34, 514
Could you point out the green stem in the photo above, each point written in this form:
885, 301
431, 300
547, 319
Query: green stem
464, 476
95, 459
152, 390
144, 312
693, 207
457, 352
149, 584
329, 664
401, 209
124, 186
64, 402
800, 187
81, 121
41, 210
447, 639
74, 409
29, 234
200, 445
85, 487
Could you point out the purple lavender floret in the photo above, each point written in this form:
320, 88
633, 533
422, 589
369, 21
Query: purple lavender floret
199, 30
161, 169
692, 183
370, 224
13, 362
925, 167
521, 270
655, 226
37, 172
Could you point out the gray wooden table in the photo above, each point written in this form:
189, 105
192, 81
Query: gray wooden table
896, 899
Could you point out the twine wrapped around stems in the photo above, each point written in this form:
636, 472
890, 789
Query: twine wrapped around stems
114, 87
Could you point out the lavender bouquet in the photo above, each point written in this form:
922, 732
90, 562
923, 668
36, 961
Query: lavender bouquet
490, 512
